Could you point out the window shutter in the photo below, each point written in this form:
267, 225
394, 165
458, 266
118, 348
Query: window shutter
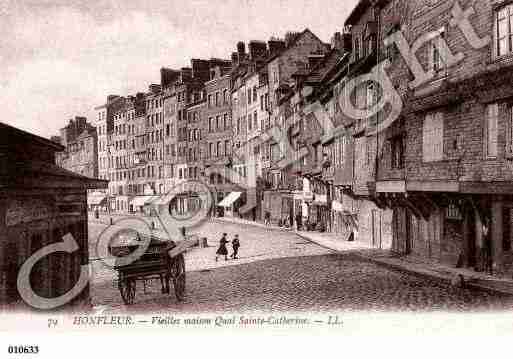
492, 127
509, 133
427, 138
438, 139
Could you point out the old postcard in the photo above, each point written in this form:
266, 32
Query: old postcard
242, 166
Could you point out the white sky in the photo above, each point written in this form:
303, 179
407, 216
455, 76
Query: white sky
61, 58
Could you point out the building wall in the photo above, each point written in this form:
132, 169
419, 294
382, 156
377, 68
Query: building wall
81, 148
155, 140
171, 140
217, 126
195, 115
43, 222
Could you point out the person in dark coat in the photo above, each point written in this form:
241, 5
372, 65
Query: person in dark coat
235, 246
222, 250
299, 220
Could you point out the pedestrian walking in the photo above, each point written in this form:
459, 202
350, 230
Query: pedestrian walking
487, 248
235, 246
267, 220
222, 250
299, 220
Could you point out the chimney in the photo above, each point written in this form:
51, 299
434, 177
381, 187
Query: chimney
155, 88
336, 41
200, 69
290, 37
241, 50
257, 49
111, 98
276, 46
168, 77
235, 58
185, 74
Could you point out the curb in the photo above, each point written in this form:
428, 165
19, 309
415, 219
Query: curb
319, 244
447, 280
250, 224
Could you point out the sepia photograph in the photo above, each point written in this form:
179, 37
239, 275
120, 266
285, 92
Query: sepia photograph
249, 165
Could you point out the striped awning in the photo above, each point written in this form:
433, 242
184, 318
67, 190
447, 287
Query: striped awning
230, 199
140, 201
96, 200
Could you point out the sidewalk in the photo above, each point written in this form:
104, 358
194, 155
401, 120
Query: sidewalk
410, 264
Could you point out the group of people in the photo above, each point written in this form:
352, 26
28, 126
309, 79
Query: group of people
223, 250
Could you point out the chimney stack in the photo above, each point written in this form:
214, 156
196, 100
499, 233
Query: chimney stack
276, 46
185, 74
235, 58
241, 50
155, 88
257, 49
200, 69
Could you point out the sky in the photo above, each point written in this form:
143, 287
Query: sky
61, 58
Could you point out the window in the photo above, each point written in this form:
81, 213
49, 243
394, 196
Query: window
210, 124
219, 150
255, 96
356, 48
491, 130
250, 123
211, 150
227, 148
503, 33
433, 137
217, 99
437, 63
225, 96
397, 152
249, 96
225, 121
255, 120
209, 100
371, 95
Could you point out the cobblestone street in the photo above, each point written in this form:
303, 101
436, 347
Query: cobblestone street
279, 271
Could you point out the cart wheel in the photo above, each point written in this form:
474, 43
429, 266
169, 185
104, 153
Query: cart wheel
127, 290
178, 271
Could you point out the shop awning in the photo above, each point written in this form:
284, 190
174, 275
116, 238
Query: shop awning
140, 201
96, 200
230, 199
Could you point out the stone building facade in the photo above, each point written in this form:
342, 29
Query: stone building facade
217, 132
81, 153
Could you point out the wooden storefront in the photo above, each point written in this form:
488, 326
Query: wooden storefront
40, 203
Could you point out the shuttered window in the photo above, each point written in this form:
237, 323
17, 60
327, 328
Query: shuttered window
433, 137
491, 129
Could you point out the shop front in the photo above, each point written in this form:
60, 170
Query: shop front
230, 204
97, 202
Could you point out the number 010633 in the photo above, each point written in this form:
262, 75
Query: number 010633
23, 349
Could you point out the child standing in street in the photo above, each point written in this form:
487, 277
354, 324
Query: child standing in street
235, 246
222, 250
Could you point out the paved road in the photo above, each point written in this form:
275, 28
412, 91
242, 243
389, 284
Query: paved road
280, 272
